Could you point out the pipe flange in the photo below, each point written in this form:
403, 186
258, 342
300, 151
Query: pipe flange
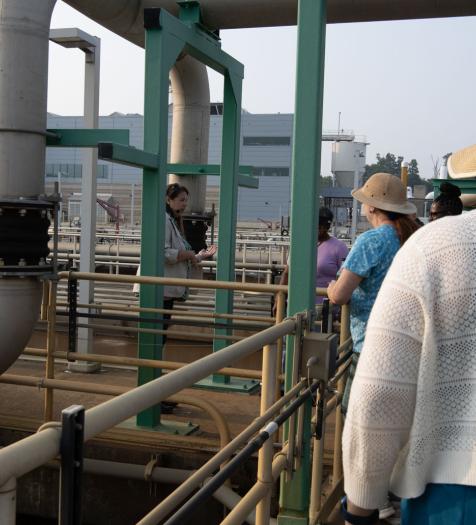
24, 237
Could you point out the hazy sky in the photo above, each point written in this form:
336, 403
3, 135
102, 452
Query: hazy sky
409, 87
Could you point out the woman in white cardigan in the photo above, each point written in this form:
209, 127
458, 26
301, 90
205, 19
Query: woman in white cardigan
411, 424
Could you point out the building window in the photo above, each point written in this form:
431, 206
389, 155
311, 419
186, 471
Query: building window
266, 141
271, 172
73, 171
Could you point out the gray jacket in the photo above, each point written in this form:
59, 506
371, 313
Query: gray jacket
174, 242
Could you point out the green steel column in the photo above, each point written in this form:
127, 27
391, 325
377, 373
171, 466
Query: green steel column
228, 199
294, 500
162, 50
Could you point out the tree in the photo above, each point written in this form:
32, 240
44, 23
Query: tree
325, 182
391, 164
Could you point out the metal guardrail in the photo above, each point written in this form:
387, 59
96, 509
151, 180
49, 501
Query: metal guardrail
34, 451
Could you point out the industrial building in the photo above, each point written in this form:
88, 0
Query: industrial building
266, 145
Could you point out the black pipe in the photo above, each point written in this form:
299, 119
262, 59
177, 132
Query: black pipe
183, 514
205, 324
344, 358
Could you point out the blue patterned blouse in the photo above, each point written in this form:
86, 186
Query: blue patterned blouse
370, 258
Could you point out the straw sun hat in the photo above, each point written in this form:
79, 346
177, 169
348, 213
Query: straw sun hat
385, 192
462, 165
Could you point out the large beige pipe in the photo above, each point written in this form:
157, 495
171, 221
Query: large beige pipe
24, 27
125, 16
191, 123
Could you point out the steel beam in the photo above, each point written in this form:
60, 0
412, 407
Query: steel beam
306, 166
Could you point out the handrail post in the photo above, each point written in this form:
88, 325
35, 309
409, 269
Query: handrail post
8, 502
50, 349
337, 463
265, 455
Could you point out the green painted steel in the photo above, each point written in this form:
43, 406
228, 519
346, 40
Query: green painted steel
203, 46
162, 50
228, 200
245, 177
294, 497
127, 155
85, 138
166, 38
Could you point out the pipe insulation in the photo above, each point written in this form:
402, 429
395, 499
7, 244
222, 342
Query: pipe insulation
24, 28
191, 124
125, 17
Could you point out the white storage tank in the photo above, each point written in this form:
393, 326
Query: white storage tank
347, 157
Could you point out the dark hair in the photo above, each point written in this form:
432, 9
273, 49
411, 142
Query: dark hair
404, 225
172, 192
448, 200
325, 217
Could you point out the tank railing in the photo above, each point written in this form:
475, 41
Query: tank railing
32, 452
268, 468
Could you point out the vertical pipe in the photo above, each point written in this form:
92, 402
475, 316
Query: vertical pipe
8, 502
190, 125
337, 463
265, 455
306, 166
50, 350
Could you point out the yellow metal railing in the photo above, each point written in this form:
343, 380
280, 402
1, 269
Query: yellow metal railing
270, 465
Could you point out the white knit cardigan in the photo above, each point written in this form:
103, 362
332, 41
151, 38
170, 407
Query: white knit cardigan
412, 410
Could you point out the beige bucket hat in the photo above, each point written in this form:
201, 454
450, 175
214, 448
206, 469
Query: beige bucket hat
462, 164
385, 192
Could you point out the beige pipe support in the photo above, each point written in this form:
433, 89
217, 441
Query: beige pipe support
165, 507
265, 454
199, 336
29, 453
134, 361
339, 423
256, 493
260, 321
190, 126
316, 474
125, 17
111, 390
191, 283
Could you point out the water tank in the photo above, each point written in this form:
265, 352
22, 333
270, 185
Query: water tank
347, 157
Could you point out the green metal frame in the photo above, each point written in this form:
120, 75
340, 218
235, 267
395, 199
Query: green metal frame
294, 497
166, 37
84, 138
131, 156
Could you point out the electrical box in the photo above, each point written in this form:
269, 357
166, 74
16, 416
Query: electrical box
319, 355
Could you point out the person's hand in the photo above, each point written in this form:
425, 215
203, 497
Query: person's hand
207, 253
330, 287
192, 257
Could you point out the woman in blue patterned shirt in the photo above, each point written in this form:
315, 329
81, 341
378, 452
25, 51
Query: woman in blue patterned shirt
388, 211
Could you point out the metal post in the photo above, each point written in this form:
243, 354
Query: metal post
91, 46
228, 199
265, 455
337, 464
161, 52
50, 349
294, 498
71, 449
